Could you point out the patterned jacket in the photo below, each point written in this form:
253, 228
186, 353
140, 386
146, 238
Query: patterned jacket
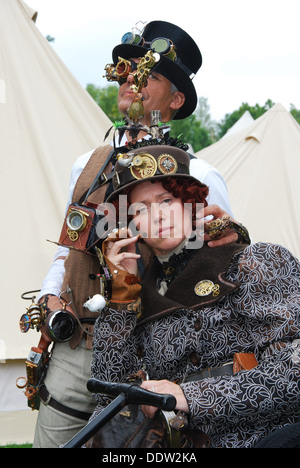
257, 310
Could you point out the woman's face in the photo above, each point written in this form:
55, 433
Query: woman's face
161, 219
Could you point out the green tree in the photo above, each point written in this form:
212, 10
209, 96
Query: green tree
203, 114
295, 113
230, 119
191, 131
106, 98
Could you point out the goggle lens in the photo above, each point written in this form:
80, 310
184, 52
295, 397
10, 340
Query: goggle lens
164, 46
121, 71
130, 38
161, 45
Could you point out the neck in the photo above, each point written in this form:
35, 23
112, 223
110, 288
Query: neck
164, 255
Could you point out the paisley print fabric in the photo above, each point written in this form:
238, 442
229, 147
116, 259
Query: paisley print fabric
261, 316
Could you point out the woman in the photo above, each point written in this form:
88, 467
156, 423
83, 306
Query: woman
203, 311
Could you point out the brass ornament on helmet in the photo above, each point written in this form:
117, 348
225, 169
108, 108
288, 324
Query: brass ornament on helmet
167, 164
143, 166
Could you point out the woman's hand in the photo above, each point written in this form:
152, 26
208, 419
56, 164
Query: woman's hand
122, 252
164, 387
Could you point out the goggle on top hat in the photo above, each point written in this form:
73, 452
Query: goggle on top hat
153, 162
180, 57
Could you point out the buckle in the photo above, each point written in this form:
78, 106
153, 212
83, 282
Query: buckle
103, 182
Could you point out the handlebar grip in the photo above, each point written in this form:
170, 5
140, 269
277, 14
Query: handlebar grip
133, 393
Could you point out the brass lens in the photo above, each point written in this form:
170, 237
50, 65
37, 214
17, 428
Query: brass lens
76, 221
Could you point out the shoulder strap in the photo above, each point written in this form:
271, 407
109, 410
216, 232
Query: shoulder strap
99, 180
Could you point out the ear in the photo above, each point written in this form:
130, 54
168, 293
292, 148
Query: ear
177, 101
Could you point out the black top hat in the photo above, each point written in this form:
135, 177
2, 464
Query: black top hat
179, 71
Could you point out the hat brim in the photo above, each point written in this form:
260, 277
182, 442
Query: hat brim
170, 70
156, 178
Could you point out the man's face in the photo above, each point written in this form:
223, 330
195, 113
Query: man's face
157, 96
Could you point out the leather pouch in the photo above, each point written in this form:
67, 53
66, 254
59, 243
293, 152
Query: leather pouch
244, 361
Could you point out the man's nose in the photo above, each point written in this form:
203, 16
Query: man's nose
130, 77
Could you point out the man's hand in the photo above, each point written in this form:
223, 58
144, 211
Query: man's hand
227, 236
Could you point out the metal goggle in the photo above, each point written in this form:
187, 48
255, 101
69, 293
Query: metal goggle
121, 71
125, 67
161, 45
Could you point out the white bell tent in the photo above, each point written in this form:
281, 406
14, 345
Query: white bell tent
244, 121
47, 120
261, 166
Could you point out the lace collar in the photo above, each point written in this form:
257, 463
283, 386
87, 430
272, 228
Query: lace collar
172, 264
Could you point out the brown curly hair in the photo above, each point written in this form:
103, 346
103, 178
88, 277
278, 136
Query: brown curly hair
180, 187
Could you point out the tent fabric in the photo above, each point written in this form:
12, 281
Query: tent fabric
12, 398
244, 121
17, 420
17, 427
47, 120
261, 166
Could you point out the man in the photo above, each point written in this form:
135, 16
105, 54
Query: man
67, 403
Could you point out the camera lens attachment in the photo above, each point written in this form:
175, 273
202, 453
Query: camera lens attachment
76, 221
61, 325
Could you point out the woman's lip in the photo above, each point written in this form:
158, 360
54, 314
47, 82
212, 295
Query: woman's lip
161, 231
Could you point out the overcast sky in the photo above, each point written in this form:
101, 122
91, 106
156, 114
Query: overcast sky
250, 49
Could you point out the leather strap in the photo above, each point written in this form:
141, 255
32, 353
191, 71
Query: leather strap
47, 399
226, 369
241, 361
99, 180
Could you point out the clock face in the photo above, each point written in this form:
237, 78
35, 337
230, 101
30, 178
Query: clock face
21, 382
24, 323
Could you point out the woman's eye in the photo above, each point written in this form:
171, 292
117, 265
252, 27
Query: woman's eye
141, 210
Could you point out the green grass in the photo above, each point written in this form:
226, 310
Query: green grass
16, 446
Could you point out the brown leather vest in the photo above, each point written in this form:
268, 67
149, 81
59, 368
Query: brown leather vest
81, 268
209, 264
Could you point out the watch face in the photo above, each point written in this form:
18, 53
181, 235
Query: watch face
21, 382
76, 221
24, 323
